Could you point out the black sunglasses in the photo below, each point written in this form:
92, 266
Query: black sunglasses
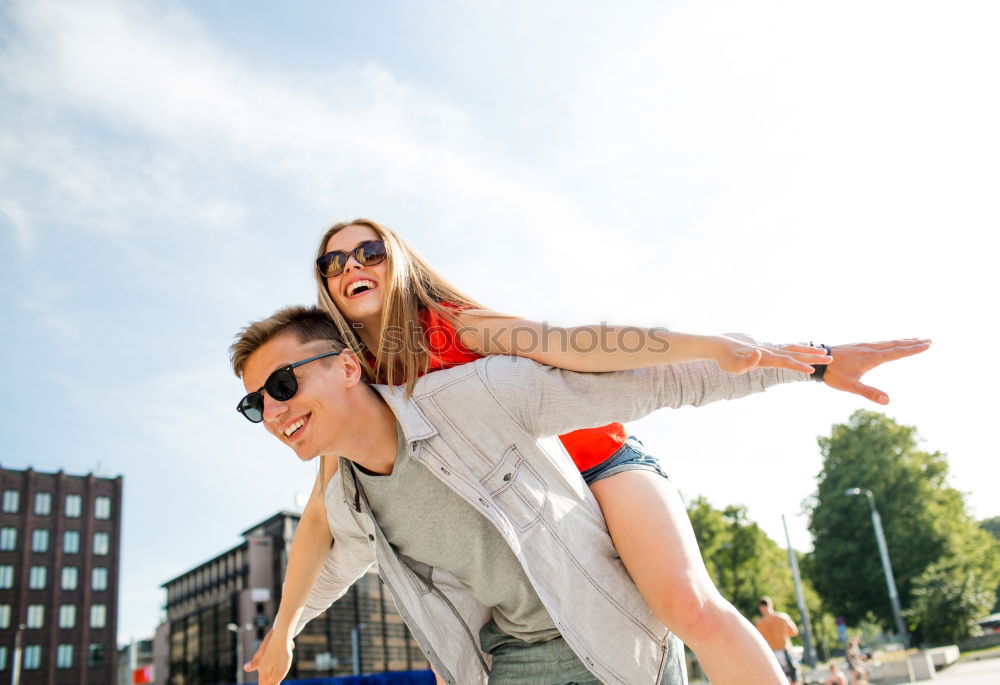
367, 253
281, 385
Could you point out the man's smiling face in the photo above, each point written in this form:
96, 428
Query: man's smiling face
310, 421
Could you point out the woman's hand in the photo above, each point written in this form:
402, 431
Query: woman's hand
851, 362
273, 658
736, 353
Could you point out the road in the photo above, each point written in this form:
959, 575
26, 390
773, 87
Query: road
983, 672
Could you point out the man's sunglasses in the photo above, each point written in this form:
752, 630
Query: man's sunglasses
368, 253
281, 385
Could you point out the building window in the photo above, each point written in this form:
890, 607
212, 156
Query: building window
73, 506
6, 576
100, 543
99, 580
8, 539
69, 578
3, 658
102, 508
11, 501
67, 616
36, 616
64, 656
4, 615
43, 504
95, 654
71, 542
37, 577
98, 616
40, 540
32, 657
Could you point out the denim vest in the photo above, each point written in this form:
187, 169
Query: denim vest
479, 428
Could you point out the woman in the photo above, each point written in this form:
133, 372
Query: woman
856, 662
404, 320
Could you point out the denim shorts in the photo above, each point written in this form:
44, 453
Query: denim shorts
632, 456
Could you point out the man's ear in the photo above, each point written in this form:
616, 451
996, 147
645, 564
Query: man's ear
353, 371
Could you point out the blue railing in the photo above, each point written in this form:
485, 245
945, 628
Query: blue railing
390, 678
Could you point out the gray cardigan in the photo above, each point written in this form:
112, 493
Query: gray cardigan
481, 428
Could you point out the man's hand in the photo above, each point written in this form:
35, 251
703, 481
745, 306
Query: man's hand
273, 658
851, 362
736, 353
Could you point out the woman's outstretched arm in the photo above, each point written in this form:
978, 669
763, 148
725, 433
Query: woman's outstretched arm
619, 348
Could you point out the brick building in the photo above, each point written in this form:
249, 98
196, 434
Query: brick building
59, 558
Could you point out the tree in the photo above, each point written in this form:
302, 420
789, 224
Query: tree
930, 537
743, 561
992, 526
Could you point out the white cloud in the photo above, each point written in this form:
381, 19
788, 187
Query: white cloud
18, 220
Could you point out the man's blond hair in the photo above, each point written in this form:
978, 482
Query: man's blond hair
308, 324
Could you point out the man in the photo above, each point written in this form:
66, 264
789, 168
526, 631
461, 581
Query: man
778, 628
493, 549
836, 676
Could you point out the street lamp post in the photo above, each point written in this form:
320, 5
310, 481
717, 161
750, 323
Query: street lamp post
886, 564
239, 630
15, 667
807, 641
356, 648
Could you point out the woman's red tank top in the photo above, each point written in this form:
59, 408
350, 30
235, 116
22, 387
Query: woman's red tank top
588, 446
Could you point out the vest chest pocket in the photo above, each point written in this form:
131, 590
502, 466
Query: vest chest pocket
518, 489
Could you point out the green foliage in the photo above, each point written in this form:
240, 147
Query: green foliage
930, 537
992, 526
743, 561
824, 627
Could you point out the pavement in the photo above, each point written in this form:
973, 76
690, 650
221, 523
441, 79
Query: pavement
979, 672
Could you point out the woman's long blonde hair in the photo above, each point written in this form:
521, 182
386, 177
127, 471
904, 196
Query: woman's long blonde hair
402, 355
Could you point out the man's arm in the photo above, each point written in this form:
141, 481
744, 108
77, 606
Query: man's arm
793, 629
319, 572
550, 401
310, 547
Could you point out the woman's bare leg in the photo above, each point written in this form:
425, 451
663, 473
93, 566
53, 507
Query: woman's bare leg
650, 528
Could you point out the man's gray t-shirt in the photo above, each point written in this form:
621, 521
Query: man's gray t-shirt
426, 521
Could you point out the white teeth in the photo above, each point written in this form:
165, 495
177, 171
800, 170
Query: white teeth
353, 287
294, 427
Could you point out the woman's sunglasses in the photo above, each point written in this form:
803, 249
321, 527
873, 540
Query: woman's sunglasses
368, 253
281, 385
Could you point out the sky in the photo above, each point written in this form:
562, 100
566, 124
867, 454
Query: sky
790, 170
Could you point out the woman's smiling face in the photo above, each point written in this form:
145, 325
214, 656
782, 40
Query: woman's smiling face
358, 291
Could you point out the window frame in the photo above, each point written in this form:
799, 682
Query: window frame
102, 507
5, 501
8, 539
73, 571
104, 548
43, 497
38, 534
64, 650
67, 616
35, 572
75, 511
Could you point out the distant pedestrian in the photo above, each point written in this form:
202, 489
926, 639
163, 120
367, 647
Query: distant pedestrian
856, 662
778, 628
836, 676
